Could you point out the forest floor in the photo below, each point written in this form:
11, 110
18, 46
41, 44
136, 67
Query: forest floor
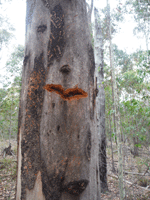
8, 166
136, 176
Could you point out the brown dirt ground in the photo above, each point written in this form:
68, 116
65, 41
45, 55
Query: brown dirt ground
134, 191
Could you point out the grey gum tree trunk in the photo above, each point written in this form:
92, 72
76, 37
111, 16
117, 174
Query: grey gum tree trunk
100, 100
57, 140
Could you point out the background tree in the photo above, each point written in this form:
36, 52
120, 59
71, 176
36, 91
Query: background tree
100, 100
116, 108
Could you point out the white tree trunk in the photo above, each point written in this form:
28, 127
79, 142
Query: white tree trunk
100, 99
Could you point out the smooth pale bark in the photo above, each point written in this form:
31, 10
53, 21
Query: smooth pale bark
100, 100
57, 141
117, 114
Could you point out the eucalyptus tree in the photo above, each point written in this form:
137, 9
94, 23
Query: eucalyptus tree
57, 141
116, 111
100, 99
114, 16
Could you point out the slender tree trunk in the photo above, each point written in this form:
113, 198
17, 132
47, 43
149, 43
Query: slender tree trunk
100, 100
117, 115
111, 63
90, 8
112, 155
113, 116
10, 121
57, 141
135, 148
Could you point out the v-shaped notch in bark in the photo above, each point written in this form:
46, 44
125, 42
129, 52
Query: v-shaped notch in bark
68, 94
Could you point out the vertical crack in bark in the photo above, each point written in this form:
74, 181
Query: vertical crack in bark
88, 144
26, 58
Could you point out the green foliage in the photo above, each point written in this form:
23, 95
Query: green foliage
10, 94
6, 29
132, 76
9, 167
5, 36
116, 16
14, 63
140, 10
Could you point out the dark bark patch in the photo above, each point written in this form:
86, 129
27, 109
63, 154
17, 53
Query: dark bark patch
47, 133
88, 145
26, 59
69, 94
103, 165
93, 104
53, 105
41, 28
57, 39
76, 187
31, 134
91, 62
65, 69
53, 184
58, 127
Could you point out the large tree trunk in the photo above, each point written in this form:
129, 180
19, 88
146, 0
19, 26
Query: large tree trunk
57, 141
100, 101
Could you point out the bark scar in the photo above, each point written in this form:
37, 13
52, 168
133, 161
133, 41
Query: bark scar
68, 94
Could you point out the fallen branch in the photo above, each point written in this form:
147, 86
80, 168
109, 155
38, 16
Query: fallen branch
128, 182
141, 176
134, 173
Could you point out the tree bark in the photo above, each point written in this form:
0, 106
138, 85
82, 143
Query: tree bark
57, 141
100, 100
